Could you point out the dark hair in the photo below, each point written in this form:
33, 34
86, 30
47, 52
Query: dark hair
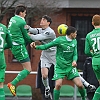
71, 30
47, 18
19, 8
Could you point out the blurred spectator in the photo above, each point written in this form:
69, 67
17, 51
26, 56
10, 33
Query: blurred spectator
89, 76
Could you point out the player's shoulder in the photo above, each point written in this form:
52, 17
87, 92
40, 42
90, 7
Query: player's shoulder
91, 32
2, 26
50, 30
19, 19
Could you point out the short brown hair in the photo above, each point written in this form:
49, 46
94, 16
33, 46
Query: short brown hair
96, 20
19, 8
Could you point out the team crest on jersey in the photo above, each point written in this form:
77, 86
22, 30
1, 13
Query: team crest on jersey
73, 45
47, 33
68, 47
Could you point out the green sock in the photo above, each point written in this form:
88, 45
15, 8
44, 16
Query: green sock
2, 94
23, 74
82, 92
97, 94
56, 94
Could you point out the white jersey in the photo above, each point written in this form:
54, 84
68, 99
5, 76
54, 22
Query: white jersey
45, 36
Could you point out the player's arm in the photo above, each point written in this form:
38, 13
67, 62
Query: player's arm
75, 53
87, 48
25, 35
46, 46
40, 37
32, 30
8, 41
75, 56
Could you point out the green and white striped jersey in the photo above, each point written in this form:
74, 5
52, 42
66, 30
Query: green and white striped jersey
66, 51
92, 43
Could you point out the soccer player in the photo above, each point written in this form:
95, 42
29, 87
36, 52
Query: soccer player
66, 58
5, 43
45, 34
20, 39
92, 48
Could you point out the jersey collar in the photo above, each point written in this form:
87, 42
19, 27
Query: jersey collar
68, 39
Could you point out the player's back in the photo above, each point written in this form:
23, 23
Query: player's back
3, 33
94, 41
15, 27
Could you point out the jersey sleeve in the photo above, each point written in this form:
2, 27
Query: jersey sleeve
8, 41
25, 33
87, 47
54, 43
34, 30
40, 37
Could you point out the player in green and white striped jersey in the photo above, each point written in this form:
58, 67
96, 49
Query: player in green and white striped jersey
20, 39
5, 43
66, 58
92, 48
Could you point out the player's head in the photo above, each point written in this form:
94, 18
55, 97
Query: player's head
48, 18
71, 32
96, 20
20, 10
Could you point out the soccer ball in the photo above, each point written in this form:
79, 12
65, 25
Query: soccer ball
62, 29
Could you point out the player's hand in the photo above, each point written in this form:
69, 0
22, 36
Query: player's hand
91, 51
29, 34
33, 45
74, 64
26, 26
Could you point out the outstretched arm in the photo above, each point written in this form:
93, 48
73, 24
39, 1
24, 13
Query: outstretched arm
45, 46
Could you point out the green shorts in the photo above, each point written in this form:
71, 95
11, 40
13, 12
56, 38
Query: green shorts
69, 72
2, 72
20, 53
96, 69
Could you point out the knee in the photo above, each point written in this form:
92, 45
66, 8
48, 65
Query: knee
80, 86
29, 69
58, 86
44, 76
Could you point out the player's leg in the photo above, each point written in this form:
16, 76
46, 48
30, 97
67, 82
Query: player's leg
96, 69
74, 76
56, 92
80, 86
86, 84
45, 66
2, 93
22, 56
2, 79
59, 74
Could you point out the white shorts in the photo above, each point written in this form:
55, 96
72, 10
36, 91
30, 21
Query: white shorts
47, 59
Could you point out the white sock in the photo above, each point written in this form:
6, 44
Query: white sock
45, 82
83, 81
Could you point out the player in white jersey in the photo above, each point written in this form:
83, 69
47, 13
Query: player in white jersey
45, 35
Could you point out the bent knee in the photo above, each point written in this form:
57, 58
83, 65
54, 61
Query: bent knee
80, 85
58, 86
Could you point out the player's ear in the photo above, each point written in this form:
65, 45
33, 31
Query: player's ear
93, 23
